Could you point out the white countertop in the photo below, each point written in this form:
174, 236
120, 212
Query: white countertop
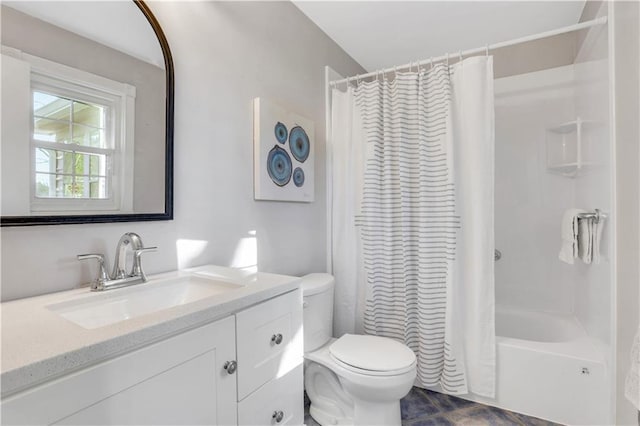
39, 345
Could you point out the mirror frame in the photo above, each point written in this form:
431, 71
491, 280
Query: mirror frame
168, 174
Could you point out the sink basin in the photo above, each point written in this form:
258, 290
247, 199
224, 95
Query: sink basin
112, 306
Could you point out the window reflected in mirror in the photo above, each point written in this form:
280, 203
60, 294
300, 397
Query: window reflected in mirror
63, 130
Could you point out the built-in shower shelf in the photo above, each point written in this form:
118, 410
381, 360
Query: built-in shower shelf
572, 126
571, 147
572, 169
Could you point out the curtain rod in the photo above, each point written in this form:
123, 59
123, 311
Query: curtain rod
587, 24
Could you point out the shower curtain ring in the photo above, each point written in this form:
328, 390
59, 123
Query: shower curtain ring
431, 62
447, 59
460, 55
486, 50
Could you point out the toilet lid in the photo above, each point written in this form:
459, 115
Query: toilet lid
372, 353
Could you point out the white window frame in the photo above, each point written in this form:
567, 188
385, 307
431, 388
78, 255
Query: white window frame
65, 81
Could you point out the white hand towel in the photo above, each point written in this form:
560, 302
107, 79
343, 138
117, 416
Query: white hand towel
632, 383
569, 235
585, 240
597, 238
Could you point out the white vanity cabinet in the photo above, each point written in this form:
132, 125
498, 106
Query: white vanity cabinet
185, 379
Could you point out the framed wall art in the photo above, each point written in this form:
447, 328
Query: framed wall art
283, 151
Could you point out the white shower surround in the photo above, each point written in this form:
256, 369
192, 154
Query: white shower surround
554, 321
530, 200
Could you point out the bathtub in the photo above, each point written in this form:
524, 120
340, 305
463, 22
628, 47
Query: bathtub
548, 367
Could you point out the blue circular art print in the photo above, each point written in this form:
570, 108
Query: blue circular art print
299, 144
281, 132
298, 177
279, 166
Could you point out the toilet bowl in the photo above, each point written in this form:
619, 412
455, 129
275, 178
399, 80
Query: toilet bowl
355, 379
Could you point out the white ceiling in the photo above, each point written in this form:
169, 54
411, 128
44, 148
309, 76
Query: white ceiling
381, 34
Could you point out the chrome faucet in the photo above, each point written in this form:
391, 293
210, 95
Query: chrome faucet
130, 241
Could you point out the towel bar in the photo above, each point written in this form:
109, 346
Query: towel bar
597, 215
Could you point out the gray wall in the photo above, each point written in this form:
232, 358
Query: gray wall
626, 46
532, 56
225, 54
535, 55
47, 41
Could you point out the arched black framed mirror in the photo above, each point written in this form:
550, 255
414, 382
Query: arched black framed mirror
87, 114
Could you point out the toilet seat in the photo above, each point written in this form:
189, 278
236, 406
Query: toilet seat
362, 371
372, 355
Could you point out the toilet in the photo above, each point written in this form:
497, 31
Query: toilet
355, 379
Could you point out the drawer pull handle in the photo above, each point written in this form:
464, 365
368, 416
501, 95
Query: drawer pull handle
276, 338
230, 366
278, 416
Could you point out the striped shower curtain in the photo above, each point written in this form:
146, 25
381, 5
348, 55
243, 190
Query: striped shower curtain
413, 203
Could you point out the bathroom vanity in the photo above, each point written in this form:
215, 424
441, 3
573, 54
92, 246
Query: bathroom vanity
210, 345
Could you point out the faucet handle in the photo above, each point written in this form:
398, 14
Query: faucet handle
137, 262
102, 272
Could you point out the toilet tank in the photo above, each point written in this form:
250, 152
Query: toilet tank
317, 295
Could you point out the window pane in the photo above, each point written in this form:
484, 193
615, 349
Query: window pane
45, 160
89, 136
64, 162
69, 186
45, 185
90, 115
51, 106
98, 187
52, 161
47, 130
49, 185
98, 165
79, 164
90, 164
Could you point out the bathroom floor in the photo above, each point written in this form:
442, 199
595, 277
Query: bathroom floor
425, 408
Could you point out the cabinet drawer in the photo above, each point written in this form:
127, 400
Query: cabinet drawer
280, 395
269, 341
